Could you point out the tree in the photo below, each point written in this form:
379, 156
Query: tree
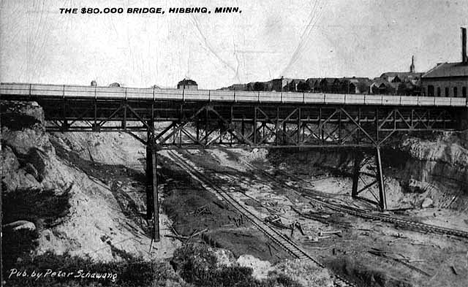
303, 87
259, 86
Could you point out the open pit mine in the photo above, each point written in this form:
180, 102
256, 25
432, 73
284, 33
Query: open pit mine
104, 192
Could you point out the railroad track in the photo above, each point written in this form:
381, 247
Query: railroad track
279, 238
414, 225
411, 224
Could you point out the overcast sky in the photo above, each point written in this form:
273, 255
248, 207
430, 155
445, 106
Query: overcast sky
300, 39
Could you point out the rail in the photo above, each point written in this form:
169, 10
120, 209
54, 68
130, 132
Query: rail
274, 235
34, 91
404, 223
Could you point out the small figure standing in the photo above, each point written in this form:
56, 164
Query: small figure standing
295, 225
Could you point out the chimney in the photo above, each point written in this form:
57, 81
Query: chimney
412, 68
464, 56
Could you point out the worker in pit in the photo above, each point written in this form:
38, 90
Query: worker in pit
295, 225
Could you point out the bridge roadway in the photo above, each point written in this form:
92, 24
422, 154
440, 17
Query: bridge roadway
204, 118
156, 94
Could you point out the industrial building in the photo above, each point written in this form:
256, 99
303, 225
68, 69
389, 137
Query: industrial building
448, 79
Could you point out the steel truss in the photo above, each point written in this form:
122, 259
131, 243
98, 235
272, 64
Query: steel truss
179, 124
367, 173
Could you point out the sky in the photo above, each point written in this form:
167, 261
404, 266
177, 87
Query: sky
266, 40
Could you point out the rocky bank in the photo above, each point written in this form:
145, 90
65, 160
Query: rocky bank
101, 181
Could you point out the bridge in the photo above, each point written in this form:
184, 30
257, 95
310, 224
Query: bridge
207, 118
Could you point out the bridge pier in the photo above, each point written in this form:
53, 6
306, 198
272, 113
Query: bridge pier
65, 126
464, 120
152, 201
356, 171
380, 180
381, 199
96, 127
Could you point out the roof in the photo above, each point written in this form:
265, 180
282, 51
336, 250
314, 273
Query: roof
448, 70
238, 87
356, 80
297, 81
401, 74
329, 80
379, 82
187, 82
313, 81
284, 79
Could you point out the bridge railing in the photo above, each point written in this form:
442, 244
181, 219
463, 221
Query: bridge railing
67, 91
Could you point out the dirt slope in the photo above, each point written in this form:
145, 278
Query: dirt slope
101, 174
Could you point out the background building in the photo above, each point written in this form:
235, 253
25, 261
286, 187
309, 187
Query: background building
187, 84
355, 85
398, 83
448, 79
281, 84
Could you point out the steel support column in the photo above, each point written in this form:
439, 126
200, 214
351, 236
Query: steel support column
154, 163
152, 201
149, 175
356, 171
255, 126
65, 124
124, 119
380, 180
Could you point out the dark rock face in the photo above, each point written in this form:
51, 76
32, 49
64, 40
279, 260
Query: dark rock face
37, 160
441, 161
23, 127
23, 141
9, 160
14, 112
26, 146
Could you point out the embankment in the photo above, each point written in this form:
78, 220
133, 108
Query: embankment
432, 166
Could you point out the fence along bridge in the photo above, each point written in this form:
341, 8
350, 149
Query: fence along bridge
176, 119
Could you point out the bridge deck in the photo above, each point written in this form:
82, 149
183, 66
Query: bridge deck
29, 91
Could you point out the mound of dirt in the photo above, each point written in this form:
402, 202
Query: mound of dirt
207, 266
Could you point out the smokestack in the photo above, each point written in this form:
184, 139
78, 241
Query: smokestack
464, 56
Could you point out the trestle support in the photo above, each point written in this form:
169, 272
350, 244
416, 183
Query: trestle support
366, 168
152, 201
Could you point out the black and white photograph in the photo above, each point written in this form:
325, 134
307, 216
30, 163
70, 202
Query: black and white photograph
235, 143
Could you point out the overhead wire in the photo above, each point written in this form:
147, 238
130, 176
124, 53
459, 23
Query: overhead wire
314, 18
210, 47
